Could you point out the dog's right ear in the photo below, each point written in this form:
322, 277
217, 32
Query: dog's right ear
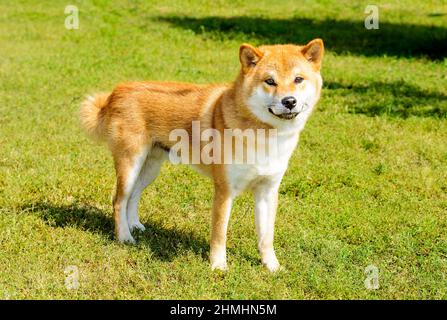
249, 56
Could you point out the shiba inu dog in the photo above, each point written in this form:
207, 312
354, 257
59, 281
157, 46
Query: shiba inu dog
277, 88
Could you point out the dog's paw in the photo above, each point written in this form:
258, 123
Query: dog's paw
219, 265
272, 266
126, 237
129, 240
218, 258
137, 225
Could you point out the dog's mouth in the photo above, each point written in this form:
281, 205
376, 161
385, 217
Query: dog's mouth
286, 115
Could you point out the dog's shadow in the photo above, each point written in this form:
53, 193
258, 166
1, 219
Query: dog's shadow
164, 243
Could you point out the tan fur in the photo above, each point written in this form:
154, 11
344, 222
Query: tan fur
138, 116
90, 114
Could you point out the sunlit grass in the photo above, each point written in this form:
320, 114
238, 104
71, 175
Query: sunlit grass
367, 184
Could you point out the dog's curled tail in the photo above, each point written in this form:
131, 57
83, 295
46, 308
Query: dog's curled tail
92, 115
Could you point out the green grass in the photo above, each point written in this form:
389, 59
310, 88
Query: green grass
367, 185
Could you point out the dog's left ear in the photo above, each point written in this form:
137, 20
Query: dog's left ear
313, 52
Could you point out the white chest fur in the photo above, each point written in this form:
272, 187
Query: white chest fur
272, 167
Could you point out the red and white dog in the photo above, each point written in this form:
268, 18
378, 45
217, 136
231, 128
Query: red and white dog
277, 88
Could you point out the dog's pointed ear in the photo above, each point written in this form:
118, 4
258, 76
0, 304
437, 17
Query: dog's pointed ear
313, 52
249, 56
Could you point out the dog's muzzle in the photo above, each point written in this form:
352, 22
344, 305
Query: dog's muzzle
288, 115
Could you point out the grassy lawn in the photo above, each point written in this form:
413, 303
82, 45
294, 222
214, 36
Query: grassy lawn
366, 186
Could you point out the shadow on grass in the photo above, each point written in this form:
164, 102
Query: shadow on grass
396, 99
164, 243
340, 36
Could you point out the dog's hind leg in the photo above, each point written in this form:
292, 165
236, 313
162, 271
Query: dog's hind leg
128, 164
148, 173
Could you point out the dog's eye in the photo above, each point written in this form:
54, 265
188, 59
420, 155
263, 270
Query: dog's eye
299, 79
270, 82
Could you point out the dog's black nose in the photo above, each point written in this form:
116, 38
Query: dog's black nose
289, 102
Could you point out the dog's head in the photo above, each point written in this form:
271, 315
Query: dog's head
281, 83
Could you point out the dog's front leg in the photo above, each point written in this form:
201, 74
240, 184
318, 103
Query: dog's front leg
220, 217
266, 201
